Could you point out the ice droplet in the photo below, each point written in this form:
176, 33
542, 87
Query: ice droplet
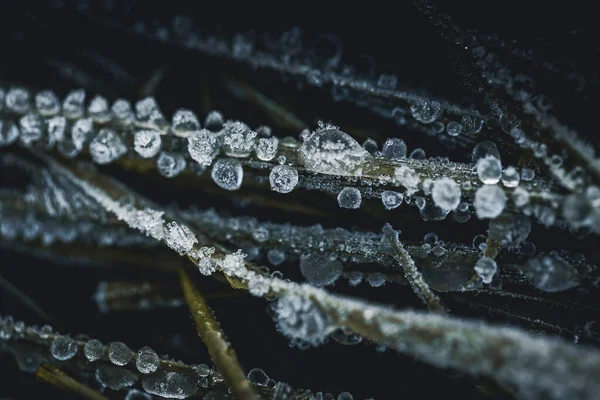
119, 353
483, 149
551, 273
179, 237
184, 122
170, 164
172, 385
203, 147
82, 132
510, 177
148, 113
238, 139
115, 378
527, 174
214, 121
17, 100
394, 148
32, 128
228, 174
98, 109
283, 178
73, 104
446, 193
8, 132
454, 128
258, 377
135, 394
471, 124
147, 143
391, 199
107, 146
426, 111
147, 360
349, 197
267, 148
63, 348
275, 257
489, 201
320, 269
331, 151
93, 350
489, 170
121, 110
486, 268
47, 103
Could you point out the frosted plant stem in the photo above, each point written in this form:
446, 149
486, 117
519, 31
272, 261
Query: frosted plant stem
213, 337
412, 274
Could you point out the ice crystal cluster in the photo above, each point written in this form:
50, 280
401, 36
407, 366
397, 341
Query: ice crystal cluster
279, 184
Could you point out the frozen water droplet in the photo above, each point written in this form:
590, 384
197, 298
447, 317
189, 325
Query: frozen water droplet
171, 385
394, 148
147, 143
489, 170
349, 197
483, 149
8, 133
283, 178
202, 370
426, 111
551, 273
203, 147
121, 110
258, 377
179, 237
263, 131
446, 193
376, 280
32, 128
453, 128
56, 127
331, 151
471, 124
107, 146
93, 350
147, 360
417, 154
47, 103
170, 164
82, 132
391, 199
17, 100
520, 196
320, 269
63, 348
276, 257
489, 201
148, 113
486, 269
214, 121
119, 353
267, 148
238, 139
527, 174
420, 202
228, 174
298, 318
184, 122
98, 109
370, 145
510, 177
73, 104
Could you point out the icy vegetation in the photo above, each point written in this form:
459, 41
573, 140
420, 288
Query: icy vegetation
480, 262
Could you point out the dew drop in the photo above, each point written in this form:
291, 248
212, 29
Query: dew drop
510, 177
454, 128
258, 377
483, 149
349, 197
171, 385
394, 148
489, 170
147, 360
426, 111
93, 350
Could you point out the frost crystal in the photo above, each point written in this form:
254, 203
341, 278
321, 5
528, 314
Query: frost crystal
446, 194
107, 146
320, 269
63, 348
98, 109
179, 237
489, 201
206, 264
426, 111
47, 103
228, 174
121, 110
391, 199
486, 269
283, 178
170, 164
406, 177
394, 148
331, 151
203, 147
489, 170
267, 148
349, 197
238, 139
510, 177
147, 143
184, 122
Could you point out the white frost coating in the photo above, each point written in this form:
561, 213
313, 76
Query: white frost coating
147, 143
489, 170
203, 147
536, 367
486, 269
107, 146
179, 238
446, 194
228, 174
349, 197
331, 151
266, 150
283, 178
489, 201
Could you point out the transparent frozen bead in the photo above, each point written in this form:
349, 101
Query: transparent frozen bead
147, 143
510, 177
275, 257
349, 197
121, 111
320, 269
93, 350
258, 377
32, 128
214, 121
484, 149
184, 122
148, 114
267, 148
471, 124
394, 148
453, 128
417, 154
520, 196
426, 111
107, 146
283, 178
227, 174
98, 109
147, 360
9, 132
391, 199
119, 353
527, 174
170, 164
63, 348
17, 100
